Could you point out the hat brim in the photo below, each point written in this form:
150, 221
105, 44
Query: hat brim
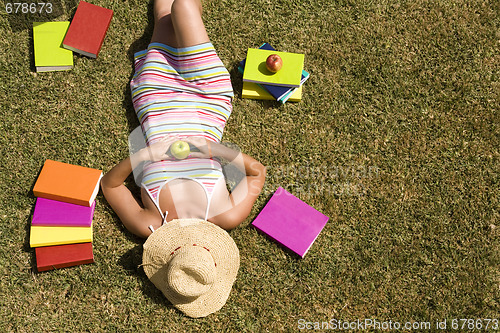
186, 232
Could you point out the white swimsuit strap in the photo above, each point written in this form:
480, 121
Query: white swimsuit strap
157, 203
164, 221
164, 218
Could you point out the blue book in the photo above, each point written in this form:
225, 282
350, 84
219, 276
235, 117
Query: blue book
282, 94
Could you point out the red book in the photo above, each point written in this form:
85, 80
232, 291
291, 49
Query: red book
87, 29
60, 256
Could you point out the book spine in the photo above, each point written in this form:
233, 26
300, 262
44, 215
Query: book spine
56, 197
64, 265
61, 256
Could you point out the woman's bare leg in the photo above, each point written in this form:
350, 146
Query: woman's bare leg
178, 23
188, 23
163, 28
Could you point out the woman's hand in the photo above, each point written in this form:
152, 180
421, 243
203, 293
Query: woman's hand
202, 144
158, 151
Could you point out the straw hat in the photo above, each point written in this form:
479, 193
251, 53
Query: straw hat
194, 263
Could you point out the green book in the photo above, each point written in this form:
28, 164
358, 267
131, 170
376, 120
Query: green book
49, 53
288, 76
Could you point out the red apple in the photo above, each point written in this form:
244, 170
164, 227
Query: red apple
274, 63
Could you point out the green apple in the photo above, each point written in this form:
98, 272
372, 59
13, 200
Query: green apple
180, 149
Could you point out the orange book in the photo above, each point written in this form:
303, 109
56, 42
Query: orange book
68, 183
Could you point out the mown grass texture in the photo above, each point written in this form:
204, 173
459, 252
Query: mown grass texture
396, 140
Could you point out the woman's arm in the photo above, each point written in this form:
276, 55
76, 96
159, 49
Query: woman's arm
135, 218
242, 198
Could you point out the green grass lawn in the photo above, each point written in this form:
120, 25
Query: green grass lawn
396, 140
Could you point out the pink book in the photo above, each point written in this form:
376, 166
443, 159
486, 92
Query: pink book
290, 221
52, 213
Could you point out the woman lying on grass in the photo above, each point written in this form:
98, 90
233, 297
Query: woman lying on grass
181, 90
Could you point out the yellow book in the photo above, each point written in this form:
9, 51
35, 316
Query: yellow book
47, 44
254, 91
288, 76
47, 236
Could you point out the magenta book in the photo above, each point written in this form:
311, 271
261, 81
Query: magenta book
52, 213
290, 221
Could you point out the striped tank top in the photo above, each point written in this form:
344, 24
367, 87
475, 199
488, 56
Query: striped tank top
184, 92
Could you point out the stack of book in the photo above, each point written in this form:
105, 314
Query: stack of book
283, 86
55, 42
61, 225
